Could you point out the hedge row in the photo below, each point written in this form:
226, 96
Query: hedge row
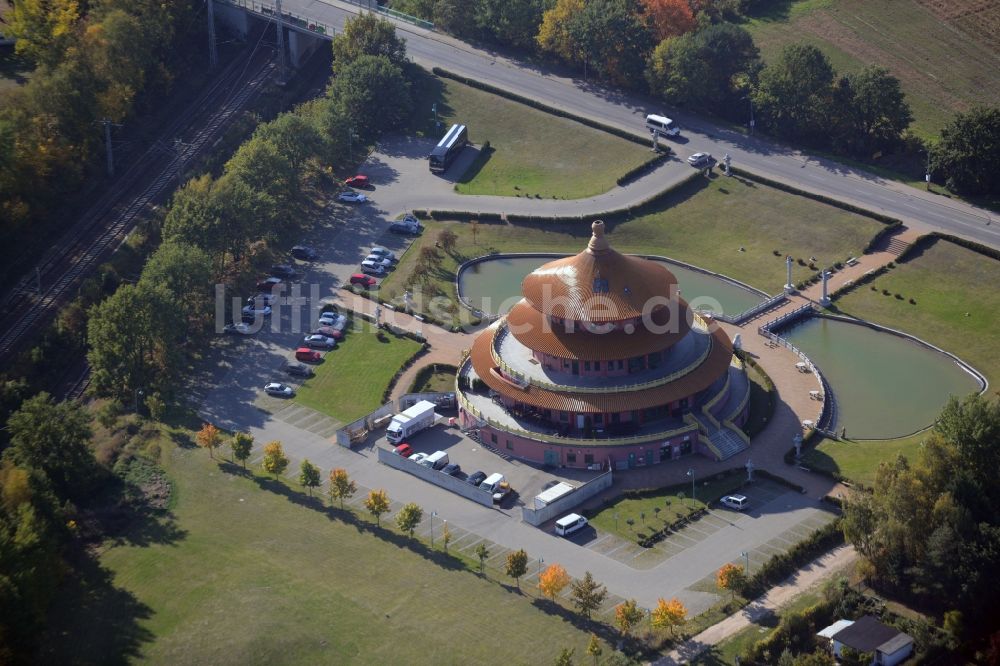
527, 101
387, 394
427, 319
660, 535
643, 169
783, 565
861, 281
885, 219
752, 362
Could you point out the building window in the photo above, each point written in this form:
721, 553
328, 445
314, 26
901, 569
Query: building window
571, 457
600, 286
588, 458
510, 445
493, 437
598, 419
586, 366
563, 416
621, 365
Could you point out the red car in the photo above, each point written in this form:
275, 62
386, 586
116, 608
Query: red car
359, 181
404, 450
308, 355
364, 280
329, 332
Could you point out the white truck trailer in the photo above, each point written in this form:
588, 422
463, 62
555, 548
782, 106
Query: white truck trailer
411, 421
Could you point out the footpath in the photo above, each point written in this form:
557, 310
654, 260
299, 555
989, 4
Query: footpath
814, 573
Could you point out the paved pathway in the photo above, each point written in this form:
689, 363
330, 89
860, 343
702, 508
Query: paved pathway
812, 574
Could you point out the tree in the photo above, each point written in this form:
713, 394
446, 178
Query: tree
241, 444
731, 577
594, 648
587, 594
43, 28
819, 657
309, 476
621, 59
669, 614
295, 137
565, 657
341, 486
409, 517
555, 32
870, 111
373, 95
969, 151
447, 239
517, 565
264, 168
275, 461
209, 438
446, 536
367, 35
482, 552
51, 438
794, 94
668, 18
513, 22
156, 406
628, 615
553, 580
377, 504
185, 270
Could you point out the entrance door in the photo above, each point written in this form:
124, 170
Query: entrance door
581, 421
649, 457
631, 460
552, 458
576, 367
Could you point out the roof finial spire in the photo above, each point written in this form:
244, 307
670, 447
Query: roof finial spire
598, 243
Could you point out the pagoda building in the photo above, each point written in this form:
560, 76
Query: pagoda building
603, 364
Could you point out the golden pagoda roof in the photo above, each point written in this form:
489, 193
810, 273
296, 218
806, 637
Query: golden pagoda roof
599, 284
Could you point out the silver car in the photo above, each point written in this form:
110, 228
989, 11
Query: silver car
319, 341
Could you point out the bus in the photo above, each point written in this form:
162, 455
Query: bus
448, 148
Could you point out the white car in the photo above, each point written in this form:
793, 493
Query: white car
418, 458
257, 309
373, 268
350, 196
738, 502
320, 341
699, 160
274, 388
384, 262
333, 320
238, 329
383, 252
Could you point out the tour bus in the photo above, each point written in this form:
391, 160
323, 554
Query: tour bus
448, 148
662, 124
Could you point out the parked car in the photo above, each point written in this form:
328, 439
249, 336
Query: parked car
738, 502
372, 268
238, 329
304, 253
476, 478
408, 225
452, 469
350, 196
333, 320
329, 332
570, 523
404, 450
299, 370
268, 284
360, 181
366, 281
418, 457
319, 341
257, 309
700, 160
383, 252
280, 390
379, 260
283, 271
308, 355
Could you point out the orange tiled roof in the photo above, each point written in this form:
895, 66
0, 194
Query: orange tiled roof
532, 329
700, 378
599, 284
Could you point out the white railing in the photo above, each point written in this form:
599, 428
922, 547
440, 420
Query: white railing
291, 20
749, 314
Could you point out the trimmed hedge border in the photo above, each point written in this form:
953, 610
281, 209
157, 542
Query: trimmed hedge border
644, 168
424, 349
783, 565
884, 219
527, 101
427, 319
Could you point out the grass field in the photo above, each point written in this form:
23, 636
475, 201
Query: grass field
687, 225
944, 52
946, 281
858, 460
439, 381
532, 152
351, 380
247, 570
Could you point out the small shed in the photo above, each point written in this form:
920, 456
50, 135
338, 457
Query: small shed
888, 645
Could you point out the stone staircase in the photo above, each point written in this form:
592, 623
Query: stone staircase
727, 442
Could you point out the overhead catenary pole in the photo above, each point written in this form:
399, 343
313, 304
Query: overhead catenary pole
213, 55
107, 144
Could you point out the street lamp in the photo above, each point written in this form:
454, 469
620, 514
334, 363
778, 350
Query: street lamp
746, 556
433, 515
541, 563
690, 473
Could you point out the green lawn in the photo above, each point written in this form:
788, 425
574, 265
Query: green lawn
674, 502
704, 223
761, 402
533, 153
352, 378
946, 281
250, 571
945, 61
443, 381
859, 459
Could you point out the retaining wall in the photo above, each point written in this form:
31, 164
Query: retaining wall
569, 501
438, 478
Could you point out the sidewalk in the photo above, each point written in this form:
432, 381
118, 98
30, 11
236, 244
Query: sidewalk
812, 574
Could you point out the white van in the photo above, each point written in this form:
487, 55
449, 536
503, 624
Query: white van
662, 124
738, 502
492, 483
436, 460
569, 524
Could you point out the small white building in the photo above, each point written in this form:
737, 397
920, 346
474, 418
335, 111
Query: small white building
888, 645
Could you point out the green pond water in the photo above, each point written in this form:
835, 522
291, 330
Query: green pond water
494, 286
885, 385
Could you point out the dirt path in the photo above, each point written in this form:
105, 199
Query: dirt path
809, 576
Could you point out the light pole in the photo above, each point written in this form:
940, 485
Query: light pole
927, 171
541, 563
433, 515
691, 474
746, 557
752, 122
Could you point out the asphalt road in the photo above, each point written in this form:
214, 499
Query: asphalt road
922, 210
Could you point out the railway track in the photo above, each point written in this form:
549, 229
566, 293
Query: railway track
103, 227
